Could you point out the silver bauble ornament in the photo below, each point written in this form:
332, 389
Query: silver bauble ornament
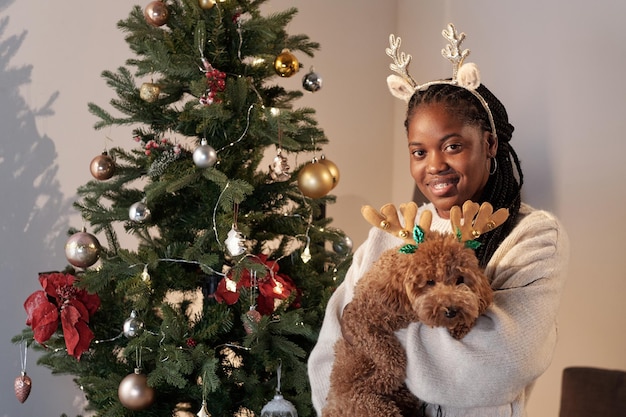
279, 407
312, 81
82, 249
133, 326
134, 392
204, 156
343, 246
139, 212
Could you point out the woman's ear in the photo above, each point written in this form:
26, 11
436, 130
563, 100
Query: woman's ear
492, 144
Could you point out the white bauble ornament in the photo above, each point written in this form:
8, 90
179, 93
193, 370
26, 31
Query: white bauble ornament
279, 407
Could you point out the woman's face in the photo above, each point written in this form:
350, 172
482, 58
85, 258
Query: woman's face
450, 159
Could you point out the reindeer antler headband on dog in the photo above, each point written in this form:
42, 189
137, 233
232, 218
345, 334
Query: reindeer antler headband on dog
464, 75
468, 223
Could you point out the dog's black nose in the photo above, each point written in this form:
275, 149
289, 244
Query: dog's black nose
451, 313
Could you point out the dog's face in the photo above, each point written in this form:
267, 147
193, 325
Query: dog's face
443, 284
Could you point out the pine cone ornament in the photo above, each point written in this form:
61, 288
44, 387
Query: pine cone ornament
22, 387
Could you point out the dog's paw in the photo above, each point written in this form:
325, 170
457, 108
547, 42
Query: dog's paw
459, 331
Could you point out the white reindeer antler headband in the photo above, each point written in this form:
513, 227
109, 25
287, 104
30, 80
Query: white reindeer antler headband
464, 75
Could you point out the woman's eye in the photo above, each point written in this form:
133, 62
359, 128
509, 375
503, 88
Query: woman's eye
453, 147
418, 153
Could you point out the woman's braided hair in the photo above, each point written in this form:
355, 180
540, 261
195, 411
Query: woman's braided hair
503, 189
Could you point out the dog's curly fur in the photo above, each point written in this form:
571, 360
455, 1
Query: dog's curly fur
441, 284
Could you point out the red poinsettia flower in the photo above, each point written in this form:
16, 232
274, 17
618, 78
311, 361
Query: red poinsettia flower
60, 299
273, 286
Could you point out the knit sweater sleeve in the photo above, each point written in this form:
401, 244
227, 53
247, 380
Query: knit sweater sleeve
513, 342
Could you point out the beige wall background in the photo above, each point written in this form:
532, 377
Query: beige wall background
557, 69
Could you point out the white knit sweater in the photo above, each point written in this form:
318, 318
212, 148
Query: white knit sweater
491, 371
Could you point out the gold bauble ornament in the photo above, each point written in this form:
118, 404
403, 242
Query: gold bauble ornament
102, 167
315, 180
286, 64
149, 92
156, 13
333, 168
134, 392
206, 4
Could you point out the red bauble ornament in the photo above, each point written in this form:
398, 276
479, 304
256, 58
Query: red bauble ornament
102, 167
134, 392
22, 386
156, 13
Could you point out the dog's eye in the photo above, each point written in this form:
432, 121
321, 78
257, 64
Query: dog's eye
460, 280
430, 282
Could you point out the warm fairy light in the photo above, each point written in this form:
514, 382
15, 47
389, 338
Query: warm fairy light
278, 288
231, 285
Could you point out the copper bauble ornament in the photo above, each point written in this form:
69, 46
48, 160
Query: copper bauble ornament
149, 92
286, 64
22, 386
315, 180
204, 156
102, 167
206, 4
82, 249
156, 13
134, 392
333, 168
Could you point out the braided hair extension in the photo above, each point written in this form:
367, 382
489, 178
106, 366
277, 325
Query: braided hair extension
503, 189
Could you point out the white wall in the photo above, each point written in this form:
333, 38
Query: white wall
556, 69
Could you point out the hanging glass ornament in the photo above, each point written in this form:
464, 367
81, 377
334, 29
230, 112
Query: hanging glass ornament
102, 167
332, 167
134, 392
204, 156
139, 212
343, 246
203, 410
133, 326
234, 242
82, 249
279, 168
149, 92
279, 406
156, 13
315, 179
286, 64
312, 81
252, 316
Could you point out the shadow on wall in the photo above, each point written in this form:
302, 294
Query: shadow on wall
33, 221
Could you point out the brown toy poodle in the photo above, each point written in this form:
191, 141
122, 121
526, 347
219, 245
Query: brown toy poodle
434, 279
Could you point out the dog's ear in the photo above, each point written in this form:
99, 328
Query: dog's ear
388, 286
479, 284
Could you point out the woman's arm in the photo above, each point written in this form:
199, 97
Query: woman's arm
513, 342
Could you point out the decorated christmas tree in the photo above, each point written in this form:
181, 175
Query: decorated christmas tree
216, 308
